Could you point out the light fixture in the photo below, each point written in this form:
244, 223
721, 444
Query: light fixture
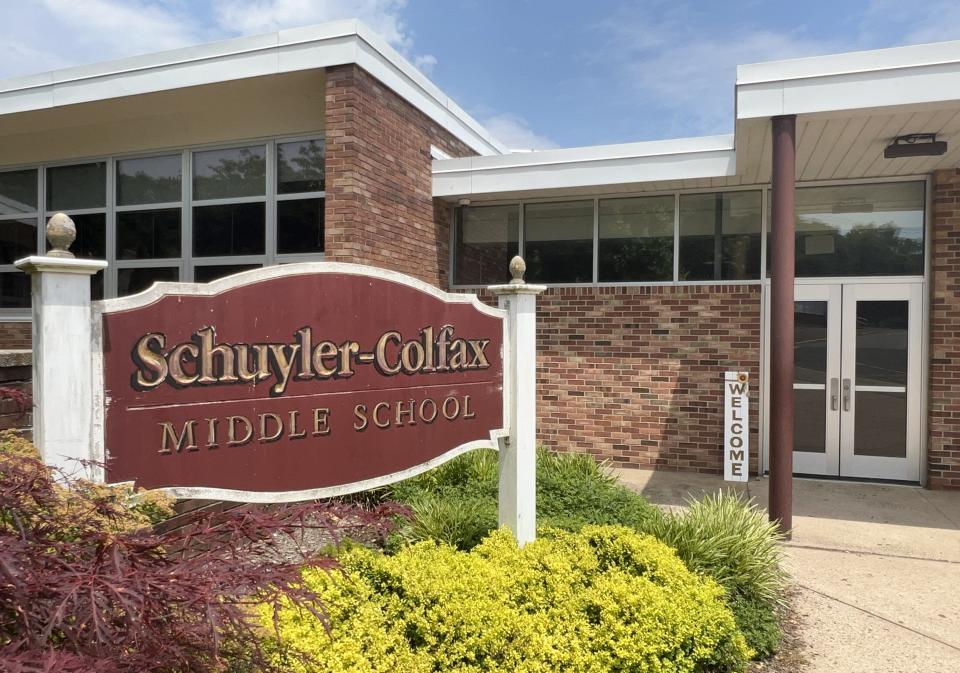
915, 145
464, 202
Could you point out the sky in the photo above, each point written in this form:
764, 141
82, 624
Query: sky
537, 73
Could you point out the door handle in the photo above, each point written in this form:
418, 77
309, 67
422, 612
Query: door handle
846, 394
834, 394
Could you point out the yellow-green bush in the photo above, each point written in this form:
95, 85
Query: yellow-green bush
603, 599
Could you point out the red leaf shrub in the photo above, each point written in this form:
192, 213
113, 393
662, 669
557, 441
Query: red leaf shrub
81, 589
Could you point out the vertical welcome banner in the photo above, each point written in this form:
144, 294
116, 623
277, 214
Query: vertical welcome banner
736, 427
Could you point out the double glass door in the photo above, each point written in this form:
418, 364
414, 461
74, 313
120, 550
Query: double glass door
857, 381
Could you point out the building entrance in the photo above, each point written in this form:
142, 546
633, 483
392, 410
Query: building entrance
857, 380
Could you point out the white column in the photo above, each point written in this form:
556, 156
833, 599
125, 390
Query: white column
518, 451
62, 357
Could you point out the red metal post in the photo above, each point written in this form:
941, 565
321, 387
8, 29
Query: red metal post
781, 321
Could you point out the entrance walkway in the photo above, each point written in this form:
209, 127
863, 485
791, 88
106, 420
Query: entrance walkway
877, 569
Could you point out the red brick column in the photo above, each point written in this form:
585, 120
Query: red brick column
16, 334
943, 450
380, 208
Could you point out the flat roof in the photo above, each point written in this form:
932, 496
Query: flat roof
311, 47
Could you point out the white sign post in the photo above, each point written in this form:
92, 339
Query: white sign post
736, 427
518, 451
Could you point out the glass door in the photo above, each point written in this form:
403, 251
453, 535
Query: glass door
880, 381
816, 372
857, 396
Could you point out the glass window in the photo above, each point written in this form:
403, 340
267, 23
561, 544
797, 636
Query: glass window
14, 290
300, 166
300, 226
18, 192
486, 239
133, 280
207, 273
230, 229
720, 236
558, 242
148, 180
636, 239
230, 173
77, 187
18, 239
860, 230
148, 234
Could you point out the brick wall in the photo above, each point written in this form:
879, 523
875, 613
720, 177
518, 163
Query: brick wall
380, 208
634, 375
15, 334
943, 452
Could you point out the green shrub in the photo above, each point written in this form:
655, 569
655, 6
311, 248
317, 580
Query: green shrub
730, 539
759, 623
604, 599
573, 490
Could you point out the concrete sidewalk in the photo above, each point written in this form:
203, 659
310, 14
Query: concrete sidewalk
877, 569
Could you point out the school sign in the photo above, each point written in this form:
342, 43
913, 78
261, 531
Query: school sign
284, 383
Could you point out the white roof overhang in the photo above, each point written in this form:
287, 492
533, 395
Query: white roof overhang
313, 47
570, 170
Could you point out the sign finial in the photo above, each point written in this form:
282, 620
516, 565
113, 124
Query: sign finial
517, 268
61, 232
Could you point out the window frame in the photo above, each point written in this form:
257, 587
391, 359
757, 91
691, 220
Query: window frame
764, 189
187, 262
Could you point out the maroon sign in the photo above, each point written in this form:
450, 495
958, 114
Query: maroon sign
294, 379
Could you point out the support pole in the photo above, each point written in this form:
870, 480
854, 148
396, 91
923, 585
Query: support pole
62, 351
781, 321
518, 452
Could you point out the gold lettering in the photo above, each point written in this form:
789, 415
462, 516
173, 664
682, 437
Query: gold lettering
412, 356
284, 365
244, 372
176, 363
324, 351
208, 351
153, 361
232, 430
170, 436
456, 408
381, 354
321, 422
443, 342
401, 412
211, 432
458, 355
293, 427
263, 427
466, 408
376, 415
427, 333
423, 415
479, 357
305, 336
348, 349
360, 411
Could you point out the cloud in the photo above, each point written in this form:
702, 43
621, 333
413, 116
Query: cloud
930, 21
425, 63
46, 34
670, 59
514, 132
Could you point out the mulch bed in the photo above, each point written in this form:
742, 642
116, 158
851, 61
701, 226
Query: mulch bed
790, 657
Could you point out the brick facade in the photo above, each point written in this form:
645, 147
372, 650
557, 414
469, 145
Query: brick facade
943, 450
380, 208
16, 334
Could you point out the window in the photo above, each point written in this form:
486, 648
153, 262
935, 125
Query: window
300, 197
860, 230
196, 214
19, 218
558, 242
636, 239
486, 239
80, 191
149, 207
720, 236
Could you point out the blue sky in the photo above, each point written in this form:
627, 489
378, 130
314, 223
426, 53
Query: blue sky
537, 73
